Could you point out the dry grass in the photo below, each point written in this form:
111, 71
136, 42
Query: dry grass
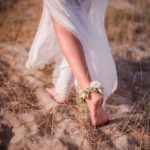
18, 98
15, 96
137, 124
129, 25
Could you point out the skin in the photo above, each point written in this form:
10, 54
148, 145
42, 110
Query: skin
74, 54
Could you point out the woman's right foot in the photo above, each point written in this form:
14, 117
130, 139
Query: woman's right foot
98, 115
56, 97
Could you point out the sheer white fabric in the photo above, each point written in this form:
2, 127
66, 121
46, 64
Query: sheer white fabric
85, 19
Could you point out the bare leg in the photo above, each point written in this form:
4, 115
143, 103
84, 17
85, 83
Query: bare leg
74, 54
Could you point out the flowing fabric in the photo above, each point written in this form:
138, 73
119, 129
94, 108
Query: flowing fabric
85, 19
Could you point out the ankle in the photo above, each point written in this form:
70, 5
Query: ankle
95, 95
94, 91
95, 98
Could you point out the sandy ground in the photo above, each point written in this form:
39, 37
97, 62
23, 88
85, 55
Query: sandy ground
31, 120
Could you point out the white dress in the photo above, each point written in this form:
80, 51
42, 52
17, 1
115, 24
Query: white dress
85, 19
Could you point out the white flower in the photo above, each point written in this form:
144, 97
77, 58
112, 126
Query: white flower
83, 95
95, 84
100, 90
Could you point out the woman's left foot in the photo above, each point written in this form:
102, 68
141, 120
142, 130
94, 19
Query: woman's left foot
98, 115
56, 96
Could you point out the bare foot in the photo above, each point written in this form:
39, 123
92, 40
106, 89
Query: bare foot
56, 96
98, 115
102, 117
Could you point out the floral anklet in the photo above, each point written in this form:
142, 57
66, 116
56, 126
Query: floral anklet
95, 86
